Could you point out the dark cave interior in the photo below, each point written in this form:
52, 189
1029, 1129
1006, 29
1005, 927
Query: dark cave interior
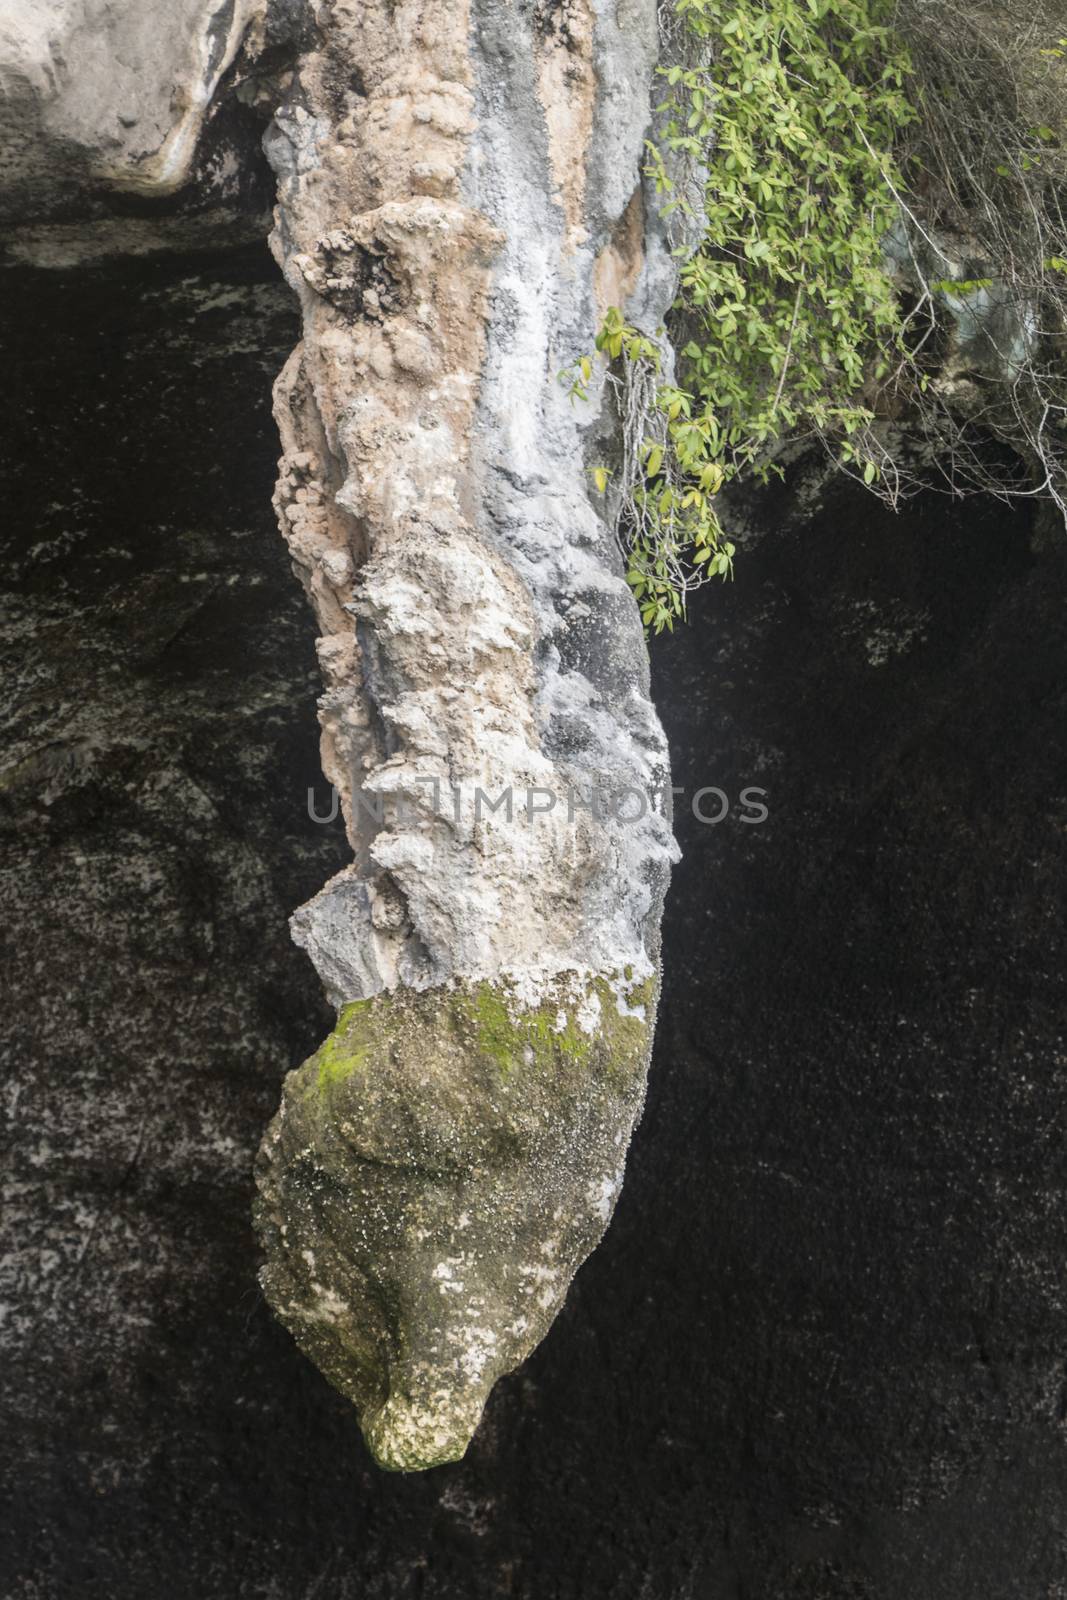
821, 1352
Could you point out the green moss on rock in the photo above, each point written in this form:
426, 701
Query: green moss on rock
438, 1170
493, 1022
344, 1050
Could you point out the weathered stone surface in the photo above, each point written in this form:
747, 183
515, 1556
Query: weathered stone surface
459, 191
460, 195
476, 628
118, 88
822, 1354
133, 126
438, 1171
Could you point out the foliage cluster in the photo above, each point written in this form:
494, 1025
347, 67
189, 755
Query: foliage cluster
787, 299
818, 297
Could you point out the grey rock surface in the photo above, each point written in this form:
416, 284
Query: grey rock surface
134, 126
475, 625
451, 249
115, 89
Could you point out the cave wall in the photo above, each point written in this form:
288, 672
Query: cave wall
820, 1355
820, 1352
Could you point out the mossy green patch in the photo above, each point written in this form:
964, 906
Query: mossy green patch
514, 1036
568, 1026
442, 1165
346, 1049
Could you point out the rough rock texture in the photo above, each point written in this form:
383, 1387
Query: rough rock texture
459, 196
157, 704
130, 126
433, 491
820, 1356
458, 1158
456, 184
117, 88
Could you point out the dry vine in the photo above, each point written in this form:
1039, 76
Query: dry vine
982, 247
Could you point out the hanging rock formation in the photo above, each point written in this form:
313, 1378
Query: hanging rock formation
460, 198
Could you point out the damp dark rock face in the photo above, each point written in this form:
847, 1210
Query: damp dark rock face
158, 691
819, 1352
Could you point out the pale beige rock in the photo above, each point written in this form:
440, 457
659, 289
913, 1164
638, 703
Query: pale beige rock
116, 90
412, 316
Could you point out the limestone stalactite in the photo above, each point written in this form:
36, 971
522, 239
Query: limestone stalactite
460, 193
